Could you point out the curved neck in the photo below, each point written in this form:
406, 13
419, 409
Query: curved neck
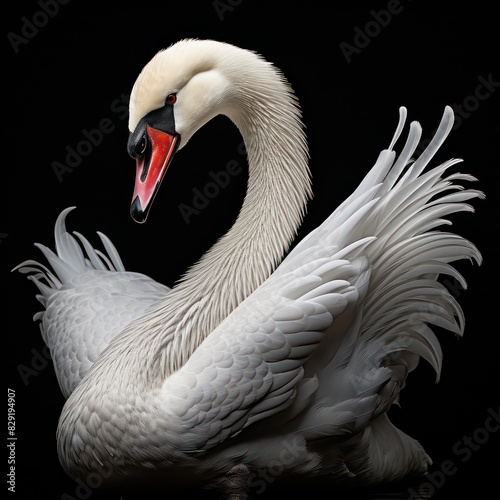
265, 111
277, 192
279, 186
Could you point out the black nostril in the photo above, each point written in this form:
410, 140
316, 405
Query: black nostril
137, 143
141, 147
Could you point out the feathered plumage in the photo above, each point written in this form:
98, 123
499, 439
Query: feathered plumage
250, 353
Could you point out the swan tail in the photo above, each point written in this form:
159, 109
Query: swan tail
68, 260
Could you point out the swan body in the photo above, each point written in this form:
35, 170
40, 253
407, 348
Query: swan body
251, 355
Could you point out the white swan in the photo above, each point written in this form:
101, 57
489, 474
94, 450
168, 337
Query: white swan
249, 361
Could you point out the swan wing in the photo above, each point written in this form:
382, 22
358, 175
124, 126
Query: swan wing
367, 275
249, 367
88, 299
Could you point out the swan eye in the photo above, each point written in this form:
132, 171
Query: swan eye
171, 98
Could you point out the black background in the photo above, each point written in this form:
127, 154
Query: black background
78, 69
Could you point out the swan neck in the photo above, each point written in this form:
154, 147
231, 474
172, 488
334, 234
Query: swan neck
278, 188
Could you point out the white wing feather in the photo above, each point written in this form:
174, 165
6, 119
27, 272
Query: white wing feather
88, 299
248, 368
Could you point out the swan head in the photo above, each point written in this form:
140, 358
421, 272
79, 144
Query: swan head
176, 93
